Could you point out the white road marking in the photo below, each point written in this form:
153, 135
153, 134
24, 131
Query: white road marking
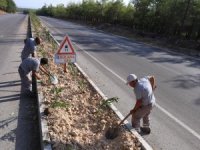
159, 107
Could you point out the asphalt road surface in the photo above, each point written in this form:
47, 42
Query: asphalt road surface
18, 115
108, 59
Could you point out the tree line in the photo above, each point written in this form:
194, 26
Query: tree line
8, 6
170, 18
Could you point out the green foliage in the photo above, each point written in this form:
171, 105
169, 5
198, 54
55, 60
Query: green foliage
105, 105
82, 84
73, 70
47, 35
3, 4
35, 20
8, 6
177, 18
127, 15
59, 11
57, 91
11, 6
60, 104
108, 102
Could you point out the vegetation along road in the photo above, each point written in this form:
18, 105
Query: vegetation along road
108, 59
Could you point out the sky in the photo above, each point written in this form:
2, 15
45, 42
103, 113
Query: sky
40, 3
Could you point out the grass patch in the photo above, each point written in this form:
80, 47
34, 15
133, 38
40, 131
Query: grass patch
60, 104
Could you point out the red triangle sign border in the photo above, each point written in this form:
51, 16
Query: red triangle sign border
66, 39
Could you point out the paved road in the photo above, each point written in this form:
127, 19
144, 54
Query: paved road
18, 115
108, 59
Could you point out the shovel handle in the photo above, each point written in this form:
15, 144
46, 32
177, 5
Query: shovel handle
124, 118
47, 72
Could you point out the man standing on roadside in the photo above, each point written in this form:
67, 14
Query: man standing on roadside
27, 66
30, 47
145, 100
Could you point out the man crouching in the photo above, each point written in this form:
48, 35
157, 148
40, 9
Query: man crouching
27, 66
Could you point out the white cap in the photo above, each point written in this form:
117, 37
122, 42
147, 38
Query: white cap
131, 77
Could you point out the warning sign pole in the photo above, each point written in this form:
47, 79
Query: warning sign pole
65, 67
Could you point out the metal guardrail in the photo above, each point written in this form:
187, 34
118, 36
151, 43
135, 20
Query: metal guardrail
30, 35
34, 84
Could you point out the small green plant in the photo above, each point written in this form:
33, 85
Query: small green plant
104, 105
47, 34
82, 84
73, 70
60, 104
35, 20
69, 147
57, 90
107, 102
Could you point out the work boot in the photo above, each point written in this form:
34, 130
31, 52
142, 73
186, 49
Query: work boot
145, 130
137, 130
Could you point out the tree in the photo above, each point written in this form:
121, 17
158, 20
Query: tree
11, 6
171, 18
59, 11
3, 4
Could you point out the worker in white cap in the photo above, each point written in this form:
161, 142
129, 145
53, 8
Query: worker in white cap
145, 100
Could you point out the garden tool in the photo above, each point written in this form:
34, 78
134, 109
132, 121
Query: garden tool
53, 78
113, 132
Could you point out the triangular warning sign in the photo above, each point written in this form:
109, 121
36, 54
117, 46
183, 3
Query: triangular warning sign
66, 47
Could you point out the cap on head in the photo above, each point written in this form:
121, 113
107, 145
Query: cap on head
131, 77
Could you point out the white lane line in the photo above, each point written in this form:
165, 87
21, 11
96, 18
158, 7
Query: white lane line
159, 107
105, 66
179, 122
